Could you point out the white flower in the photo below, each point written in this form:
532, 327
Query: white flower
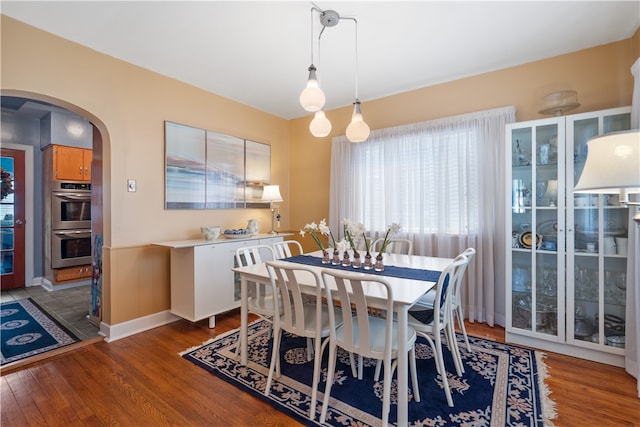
324, 228
342, 245
395, 228
302, 233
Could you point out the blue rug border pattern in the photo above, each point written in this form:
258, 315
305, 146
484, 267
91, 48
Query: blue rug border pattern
519, 398
57, 335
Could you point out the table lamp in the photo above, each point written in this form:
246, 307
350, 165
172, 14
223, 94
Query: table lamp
271, 194
613, 167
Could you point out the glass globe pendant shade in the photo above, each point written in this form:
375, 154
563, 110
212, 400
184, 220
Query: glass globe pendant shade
358, 130
320, 126
312, 97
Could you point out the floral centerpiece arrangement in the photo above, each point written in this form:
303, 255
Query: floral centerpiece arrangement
351, 230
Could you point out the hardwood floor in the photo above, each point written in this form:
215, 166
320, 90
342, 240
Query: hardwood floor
142, 381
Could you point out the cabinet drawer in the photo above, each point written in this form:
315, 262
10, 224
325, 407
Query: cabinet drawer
71, 273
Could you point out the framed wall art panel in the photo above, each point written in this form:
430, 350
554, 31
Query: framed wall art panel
210, 170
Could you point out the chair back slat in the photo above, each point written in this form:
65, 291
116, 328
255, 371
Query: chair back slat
287, 249
396, 246
349, 297
252, 255
285, 280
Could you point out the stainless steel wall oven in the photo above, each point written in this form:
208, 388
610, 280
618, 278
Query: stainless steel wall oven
70, 248
70, 205
70, 223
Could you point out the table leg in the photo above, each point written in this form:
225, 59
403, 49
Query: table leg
403, 383
244, 320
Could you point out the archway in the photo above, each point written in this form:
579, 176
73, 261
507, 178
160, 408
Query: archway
100, 222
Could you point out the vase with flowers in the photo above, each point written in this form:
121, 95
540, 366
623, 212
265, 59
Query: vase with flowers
315, 231
352, 229
391, 230
368, 263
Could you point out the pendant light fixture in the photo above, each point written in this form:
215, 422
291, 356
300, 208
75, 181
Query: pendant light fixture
358, 130
312, 97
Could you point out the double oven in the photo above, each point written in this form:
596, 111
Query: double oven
70, 223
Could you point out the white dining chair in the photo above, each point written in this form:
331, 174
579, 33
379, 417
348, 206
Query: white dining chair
457, 310
260, 299
287, 248
430, 323
362, 334
300, 317
396, 246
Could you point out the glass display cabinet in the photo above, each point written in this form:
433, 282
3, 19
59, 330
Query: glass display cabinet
566, 253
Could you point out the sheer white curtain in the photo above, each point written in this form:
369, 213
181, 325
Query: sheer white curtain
632, 339
443, 182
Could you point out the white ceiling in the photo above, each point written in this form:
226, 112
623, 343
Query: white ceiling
257, 53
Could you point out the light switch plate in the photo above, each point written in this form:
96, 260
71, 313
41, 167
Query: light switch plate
131, 185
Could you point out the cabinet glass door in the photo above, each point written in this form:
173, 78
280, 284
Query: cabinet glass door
597, 280
536, 210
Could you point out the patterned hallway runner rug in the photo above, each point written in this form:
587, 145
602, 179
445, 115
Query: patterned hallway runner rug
27, 330
503, 385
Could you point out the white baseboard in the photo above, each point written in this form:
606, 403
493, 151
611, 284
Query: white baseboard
135, 326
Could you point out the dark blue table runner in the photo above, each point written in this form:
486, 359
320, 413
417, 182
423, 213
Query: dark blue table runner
389, 270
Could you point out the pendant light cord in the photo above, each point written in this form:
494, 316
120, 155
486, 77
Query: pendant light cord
357, 71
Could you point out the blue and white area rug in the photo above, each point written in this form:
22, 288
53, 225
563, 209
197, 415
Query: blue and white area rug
27, 330
503, 385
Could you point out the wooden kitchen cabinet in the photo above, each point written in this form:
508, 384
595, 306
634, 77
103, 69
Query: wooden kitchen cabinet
76, 272
71, 163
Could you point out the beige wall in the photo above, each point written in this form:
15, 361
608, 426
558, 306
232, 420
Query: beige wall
129, 105
600, 75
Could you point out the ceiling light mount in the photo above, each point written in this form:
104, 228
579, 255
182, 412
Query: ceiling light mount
329, 18
312, 97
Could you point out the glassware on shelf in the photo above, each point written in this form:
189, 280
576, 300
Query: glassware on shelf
520, 157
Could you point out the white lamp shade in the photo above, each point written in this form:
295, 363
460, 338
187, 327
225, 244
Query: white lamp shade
358, 130
320, 126
613, 164
312, 97
271, 193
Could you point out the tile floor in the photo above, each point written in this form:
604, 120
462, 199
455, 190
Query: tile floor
68, 306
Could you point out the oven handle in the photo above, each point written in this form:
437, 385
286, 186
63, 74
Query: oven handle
75, 197
73, 233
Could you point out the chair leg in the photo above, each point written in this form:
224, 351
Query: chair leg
309, 349
452, 342
462, 327
352, 360
360, 366
376, 375
386, 393
275, 353
442, 369
331, 367
414, 373
316, 378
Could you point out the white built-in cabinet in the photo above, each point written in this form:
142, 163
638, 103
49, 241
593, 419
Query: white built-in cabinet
202, 281
565, 257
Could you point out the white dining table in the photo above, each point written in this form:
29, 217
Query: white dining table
405, 294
